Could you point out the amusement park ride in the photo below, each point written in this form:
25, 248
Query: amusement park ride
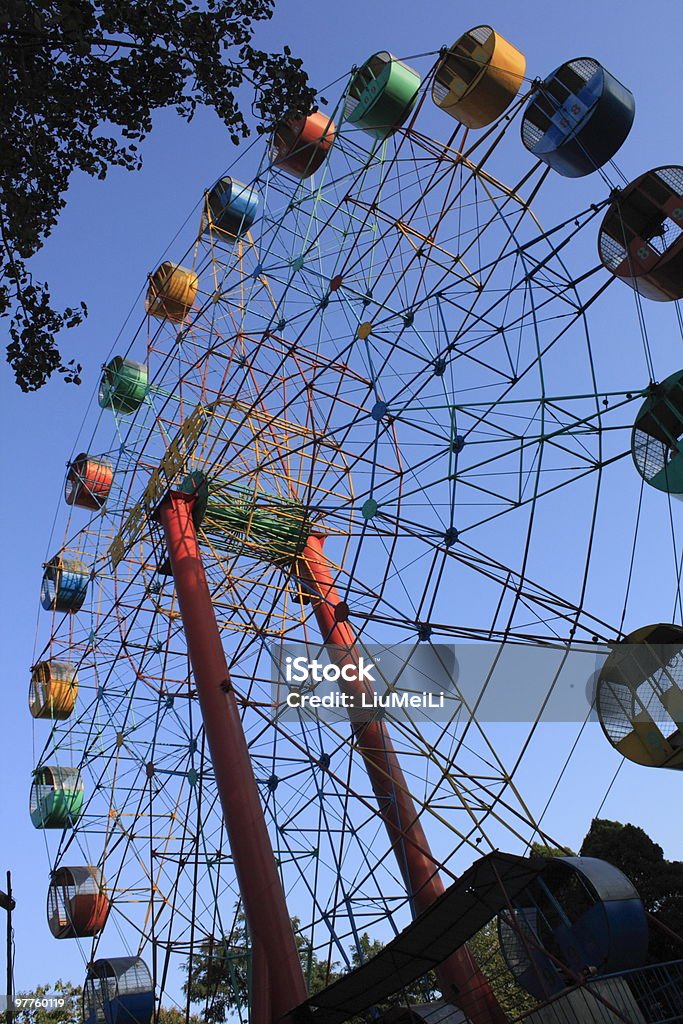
361, 390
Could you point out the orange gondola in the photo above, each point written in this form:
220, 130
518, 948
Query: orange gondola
171, 293
300, 145
88, 481
479, 77
54, 688
77, 902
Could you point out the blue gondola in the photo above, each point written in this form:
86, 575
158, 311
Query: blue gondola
578, 118
118, 990
65, 585
230, 207
582, 912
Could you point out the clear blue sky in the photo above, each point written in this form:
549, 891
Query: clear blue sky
113, 233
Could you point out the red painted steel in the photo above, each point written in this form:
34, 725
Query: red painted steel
257, 875
459, 976
261, 1005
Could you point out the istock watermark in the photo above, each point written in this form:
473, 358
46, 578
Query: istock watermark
337, 683
437, 682
301, 670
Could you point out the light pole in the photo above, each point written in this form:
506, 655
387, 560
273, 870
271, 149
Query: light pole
7, 903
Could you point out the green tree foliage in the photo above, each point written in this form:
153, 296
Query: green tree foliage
218, 975
487, 952
174, 1015
70, 1013
540, 850
80, 80
659, 881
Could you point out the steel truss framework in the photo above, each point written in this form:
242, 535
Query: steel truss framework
400, 352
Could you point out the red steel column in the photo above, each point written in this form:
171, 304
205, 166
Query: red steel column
459, 976
257, 874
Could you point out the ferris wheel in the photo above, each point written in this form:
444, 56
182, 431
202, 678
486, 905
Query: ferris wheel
367, 388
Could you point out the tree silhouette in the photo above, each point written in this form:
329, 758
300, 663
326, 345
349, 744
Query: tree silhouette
659, 881
80, 80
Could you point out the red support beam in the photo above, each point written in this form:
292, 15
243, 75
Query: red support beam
460, 978
275, 953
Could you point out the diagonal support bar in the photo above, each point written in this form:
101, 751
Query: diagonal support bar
459, 976
278, 967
